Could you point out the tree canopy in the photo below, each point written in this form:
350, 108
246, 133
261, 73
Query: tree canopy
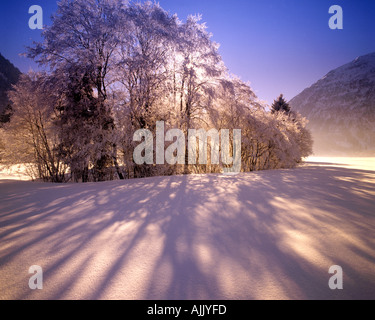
114, 67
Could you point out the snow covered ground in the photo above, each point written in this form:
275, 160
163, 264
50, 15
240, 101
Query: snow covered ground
15, 172
263, 235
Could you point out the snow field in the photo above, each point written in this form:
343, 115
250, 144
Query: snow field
263, 235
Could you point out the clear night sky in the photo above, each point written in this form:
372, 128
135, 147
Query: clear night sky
280, 46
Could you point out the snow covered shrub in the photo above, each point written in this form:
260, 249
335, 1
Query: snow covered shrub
30, 136
270, 140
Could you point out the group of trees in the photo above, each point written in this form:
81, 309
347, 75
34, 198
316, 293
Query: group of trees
112, 68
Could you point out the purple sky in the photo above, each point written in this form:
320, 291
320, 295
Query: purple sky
279, 46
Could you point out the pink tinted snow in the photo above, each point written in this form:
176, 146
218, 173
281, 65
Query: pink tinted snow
264, 235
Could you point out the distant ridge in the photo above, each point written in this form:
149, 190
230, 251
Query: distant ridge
9, 75
341, 109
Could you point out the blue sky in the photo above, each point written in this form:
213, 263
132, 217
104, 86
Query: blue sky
279, 46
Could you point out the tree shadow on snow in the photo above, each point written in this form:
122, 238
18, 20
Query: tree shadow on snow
264, 235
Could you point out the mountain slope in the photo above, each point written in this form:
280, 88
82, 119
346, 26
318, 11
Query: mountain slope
341, 108
9, 75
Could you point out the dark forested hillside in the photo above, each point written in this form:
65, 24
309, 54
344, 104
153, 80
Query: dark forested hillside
9, 75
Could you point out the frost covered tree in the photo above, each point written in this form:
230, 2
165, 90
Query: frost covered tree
30, 135
168, 69
270, 140
78, 48
142, 75
199, 69
144, 55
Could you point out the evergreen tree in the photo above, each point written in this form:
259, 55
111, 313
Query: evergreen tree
5, 115
280, 105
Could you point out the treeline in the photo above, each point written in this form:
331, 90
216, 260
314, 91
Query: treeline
112, 68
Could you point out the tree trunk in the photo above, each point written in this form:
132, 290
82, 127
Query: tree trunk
115, 162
